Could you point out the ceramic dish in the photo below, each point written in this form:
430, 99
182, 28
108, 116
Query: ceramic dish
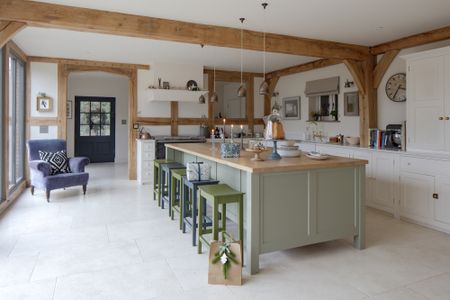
289, 153
317, 156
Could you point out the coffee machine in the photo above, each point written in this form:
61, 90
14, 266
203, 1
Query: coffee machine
395, 137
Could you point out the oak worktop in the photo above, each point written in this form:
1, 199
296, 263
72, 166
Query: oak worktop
245, 163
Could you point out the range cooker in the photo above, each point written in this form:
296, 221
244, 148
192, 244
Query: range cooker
161, 141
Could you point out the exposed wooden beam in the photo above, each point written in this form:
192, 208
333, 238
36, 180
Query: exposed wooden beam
356, 70
210, 104
320, 63
413, 40
62, 101
132, 133
382, 66
153, 121
174, 118
84, 19
9, 30
91, 63
250, 102
223, 75
37, 121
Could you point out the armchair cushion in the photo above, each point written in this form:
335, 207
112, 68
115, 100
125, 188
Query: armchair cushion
58, 161
77, 164
41, 166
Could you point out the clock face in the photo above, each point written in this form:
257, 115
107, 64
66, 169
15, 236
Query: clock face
396, 87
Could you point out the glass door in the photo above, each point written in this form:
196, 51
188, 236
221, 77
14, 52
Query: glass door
16, 122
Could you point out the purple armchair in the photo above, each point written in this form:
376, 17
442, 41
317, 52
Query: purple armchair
40, 171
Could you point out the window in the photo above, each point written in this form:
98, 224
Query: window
16, 122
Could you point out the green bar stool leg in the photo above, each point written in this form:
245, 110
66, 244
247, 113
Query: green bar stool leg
159, 186
215, 220
224, 221
180, 201
173, 194
241, 226
200, 222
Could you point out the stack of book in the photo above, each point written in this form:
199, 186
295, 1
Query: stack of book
377, 138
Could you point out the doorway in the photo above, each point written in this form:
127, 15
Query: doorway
95, 128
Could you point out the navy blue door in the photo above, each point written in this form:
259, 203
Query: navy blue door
95, 128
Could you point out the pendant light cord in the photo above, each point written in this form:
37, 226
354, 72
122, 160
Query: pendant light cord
242, 45
264, 5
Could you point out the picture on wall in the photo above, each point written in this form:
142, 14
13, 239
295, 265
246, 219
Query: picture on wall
291, 108
43, 103
69, 113
351, 104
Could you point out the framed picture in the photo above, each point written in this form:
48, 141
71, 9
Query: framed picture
351, 104
291, 108
44, 103
69, 112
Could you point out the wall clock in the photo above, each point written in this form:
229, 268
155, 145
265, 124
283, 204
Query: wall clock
396, 87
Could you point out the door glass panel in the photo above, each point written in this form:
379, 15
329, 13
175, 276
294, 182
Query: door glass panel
105, 130
106, 107
95, 130
85, 130
95, 119
95, 106
84, 119
85, 106
106, 119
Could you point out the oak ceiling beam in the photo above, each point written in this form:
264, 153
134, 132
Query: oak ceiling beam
356, 69
83, 19
8, 30
382, 66
316, 64
92, 63
413, 40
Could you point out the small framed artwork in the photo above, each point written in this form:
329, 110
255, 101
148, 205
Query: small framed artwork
291, 108
351, 104
43, 103
69, 114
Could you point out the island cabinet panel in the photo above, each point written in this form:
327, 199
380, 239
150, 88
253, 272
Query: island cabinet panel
285, 210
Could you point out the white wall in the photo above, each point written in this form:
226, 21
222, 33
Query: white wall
44, 79
390, 112
294, 85
101, 85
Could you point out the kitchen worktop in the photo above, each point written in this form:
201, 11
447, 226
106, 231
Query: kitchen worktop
245, 163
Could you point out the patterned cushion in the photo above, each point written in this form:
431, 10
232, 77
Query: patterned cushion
57, 160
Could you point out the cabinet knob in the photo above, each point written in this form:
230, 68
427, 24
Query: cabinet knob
447, 118
441, 118
435, 196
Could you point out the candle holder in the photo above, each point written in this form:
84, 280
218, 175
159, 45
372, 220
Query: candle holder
213, 142
242, 140
274, 155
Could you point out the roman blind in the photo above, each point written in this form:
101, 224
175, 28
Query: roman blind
322, 86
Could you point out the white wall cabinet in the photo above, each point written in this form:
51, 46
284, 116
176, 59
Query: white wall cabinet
145, 158
428, 105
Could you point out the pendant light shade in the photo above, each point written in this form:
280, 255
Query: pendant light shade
214, 97
242, 90
264, 87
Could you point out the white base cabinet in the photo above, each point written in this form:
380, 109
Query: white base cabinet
407, 185
145, 157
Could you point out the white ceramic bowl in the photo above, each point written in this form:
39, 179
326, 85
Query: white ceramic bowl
289, 143
352, 140
289, 153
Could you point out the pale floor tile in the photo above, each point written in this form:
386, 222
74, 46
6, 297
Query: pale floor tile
437, 287
399, 294
39, 290
116, 243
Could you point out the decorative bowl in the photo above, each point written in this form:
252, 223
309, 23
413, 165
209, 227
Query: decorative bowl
352, 140
289, 153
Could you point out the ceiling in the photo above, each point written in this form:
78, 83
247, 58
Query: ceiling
352, 21
93, 46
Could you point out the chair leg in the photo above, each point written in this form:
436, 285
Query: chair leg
32, 190
47, 194
84, 189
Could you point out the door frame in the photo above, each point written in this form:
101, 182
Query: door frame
112, 125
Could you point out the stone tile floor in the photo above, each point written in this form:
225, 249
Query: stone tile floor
115, 243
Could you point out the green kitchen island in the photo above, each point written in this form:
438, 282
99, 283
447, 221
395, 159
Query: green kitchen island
290, 202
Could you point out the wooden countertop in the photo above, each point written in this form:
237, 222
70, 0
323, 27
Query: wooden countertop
268, 166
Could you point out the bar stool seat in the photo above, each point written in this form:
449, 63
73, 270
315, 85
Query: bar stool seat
190, 207
166, 179
157, 177
218, 195
176, 193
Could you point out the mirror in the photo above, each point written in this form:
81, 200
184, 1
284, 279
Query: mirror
229, 106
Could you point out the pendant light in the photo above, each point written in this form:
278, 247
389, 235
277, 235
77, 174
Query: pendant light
214, 97
264, 87
202, 99
242, 91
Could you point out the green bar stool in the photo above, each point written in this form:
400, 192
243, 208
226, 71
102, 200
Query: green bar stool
157, 178
219, 195
176, 190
